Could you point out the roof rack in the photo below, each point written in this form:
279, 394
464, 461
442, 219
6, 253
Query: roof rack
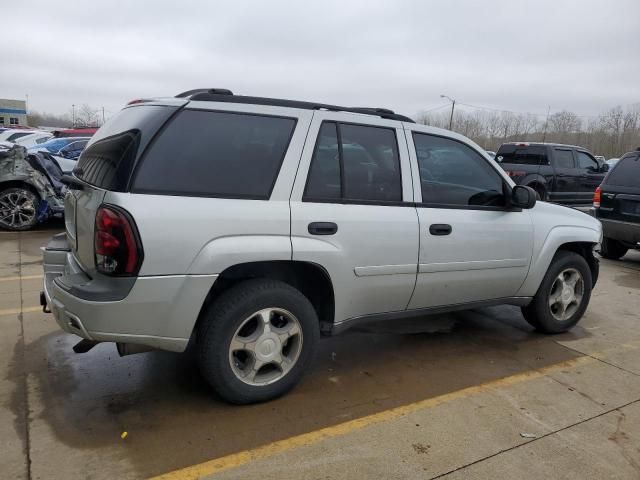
224, 95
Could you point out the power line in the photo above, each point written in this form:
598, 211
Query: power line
435, 108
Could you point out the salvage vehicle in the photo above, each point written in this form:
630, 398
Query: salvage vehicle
248, 227
65, 150
30, 189
558, 173
616, 203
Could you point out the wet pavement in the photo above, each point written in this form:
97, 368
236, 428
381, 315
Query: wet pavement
63, 414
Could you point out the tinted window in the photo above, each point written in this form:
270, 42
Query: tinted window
626, 172
217, 154
532, 155
109, 158
323, 181
451, 173
564, 158
585, 161
367, 157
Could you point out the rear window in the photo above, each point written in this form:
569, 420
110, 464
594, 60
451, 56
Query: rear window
216, 154
626, 173
111, 154
530, 155
15, 136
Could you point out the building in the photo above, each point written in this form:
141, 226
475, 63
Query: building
13, 113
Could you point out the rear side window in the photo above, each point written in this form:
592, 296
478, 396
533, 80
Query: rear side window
530, 155
216, 154
626, 173
108, 160
564, 158
358, 163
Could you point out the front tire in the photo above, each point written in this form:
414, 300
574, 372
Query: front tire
563, 295
257, 340
18, 209
612, 249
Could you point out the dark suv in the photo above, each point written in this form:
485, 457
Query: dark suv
617, 205
558, 173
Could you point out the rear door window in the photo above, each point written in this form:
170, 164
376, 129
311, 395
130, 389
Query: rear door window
564, 158
626, 173
356, 163
529, 155
216, 154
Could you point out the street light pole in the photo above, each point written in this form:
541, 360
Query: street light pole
73, 114
453, 106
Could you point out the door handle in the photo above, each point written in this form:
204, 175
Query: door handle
440, 229
323, 228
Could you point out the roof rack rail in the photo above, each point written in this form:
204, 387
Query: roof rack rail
213, 91
224, 95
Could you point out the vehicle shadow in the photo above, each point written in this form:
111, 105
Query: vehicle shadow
174, 420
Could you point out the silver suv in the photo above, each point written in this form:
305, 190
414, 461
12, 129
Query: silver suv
247, 227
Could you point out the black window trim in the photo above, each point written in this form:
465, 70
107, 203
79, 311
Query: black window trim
449, 206
176, 193
350, 201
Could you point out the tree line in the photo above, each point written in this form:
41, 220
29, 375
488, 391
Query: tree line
82, 116
610, 134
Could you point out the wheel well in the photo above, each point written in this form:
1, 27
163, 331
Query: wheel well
584, 249
19, 184
309, 278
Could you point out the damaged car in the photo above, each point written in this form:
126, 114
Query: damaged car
31, 190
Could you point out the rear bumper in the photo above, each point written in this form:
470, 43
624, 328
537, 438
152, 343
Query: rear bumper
623, 231
159, 312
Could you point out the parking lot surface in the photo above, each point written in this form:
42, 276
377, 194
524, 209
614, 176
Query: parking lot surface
473, 394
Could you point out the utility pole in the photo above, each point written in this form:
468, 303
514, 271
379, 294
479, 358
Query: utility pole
73, 114
102, 115
453, 106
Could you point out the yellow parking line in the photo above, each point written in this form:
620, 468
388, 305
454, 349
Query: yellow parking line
24, 277
15, 311
237, 459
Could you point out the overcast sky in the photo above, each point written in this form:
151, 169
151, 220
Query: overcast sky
581, 55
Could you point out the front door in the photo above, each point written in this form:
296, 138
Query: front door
472, 247
590, 176
352, 212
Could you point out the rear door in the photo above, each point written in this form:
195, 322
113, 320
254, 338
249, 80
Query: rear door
565, 188
106, 165
352, 212
620, 197
472, 248
590, 176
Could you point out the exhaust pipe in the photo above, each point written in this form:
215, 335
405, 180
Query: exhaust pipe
132, 348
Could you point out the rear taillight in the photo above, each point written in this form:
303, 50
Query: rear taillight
596, 197
118, 250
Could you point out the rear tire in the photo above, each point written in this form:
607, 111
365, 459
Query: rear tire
541, 192
18, 209
563, 295
257, 340
612, 249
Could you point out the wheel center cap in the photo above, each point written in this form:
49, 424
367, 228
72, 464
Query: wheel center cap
567, 294
268, 348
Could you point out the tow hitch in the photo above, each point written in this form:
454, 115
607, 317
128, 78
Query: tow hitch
84, 345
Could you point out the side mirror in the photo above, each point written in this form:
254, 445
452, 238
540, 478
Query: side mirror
604, 168
523, 197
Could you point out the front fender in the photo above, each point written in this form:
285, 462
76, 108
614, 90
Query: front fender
556, 237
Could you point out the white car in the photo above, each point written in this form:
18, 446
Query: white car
24, 138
